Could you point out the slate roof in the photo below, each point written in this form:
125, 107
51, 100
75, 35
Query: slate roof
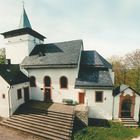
122, 88
93, 58
23, 31
12, 74
93, 71
63, 54
94, 78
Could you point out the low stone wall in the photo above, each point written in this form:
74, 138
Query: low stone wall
81, 112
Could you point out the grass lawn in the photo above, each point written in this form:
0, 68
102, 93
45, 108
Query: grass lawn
115, 132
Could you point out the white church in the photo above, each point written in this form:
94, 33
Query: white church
59, 72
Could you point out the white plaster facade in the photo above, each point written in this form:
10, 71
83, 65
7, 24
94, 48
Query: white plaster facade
100, 110
22, 45
57, 94
8, 97
4, 102
14, 101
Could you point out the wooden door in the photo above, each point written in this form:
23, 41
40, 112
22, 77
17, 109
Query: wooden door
126, 108
81, 98
47, 94
26, 94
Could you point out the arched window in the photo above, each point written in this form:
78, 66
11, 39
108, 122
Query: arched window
32, 81
47, 81
63, 82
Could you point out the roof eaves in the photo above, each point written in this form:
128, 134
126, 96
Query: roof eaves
93, 87
50, 66
23, 31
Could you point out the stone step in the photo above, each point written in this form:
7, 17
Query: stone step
34, 129
42, 124
45, 128
38, 111
60, 113
70, 117
61, 117
46, 119
50, 137
127, 119
132, 121
129, 122
131, 125
29, 118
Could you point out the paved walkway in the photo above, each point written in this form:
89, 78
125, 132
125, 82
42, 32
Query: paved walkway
57, 107
12, 134
61, 108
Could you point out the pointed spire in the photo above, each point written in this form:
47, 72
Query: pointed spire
24, 21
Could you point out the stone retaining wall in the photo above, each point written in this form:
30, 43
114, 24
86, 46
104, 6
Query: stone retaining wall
81, 113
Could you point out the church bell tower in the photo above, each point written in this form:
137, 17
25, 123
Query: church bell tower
20, 42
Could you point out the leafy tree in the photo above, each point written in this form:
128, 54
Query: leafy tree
119, 69
132, 61
127, 69
2, 56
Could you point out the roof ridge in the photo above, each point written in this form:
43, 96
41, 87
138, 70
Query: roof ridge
61, 42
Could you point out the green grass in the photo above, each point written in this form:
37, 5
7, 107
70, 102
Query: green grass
115, 132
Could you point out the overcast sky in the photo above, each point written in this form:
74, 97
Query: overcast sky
112, 27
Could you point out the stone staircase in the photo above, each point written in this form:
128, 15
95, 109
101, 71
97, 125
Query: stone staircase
51, 125
129, 122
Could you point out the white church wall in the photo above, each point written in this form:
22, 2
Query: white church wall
100, 110
116, 107
14, 101
20, 46
4, 102
137, 108
37, 93
57, 93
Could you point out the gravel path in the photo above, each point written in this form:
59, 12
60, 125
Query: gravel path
12, 134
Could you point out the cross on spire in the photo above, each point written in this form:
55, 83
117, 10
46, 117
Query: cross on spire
23, 3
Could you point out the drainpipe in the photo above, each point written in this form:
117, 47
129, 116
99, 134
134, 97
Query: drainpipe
9, 101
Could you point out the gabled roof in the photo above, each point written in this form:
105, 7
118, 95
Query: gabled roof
12, 74
24, 21
122, 88
93, 58
63, 54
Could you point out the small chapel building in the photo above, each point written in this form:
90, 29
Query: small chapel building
56, 72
